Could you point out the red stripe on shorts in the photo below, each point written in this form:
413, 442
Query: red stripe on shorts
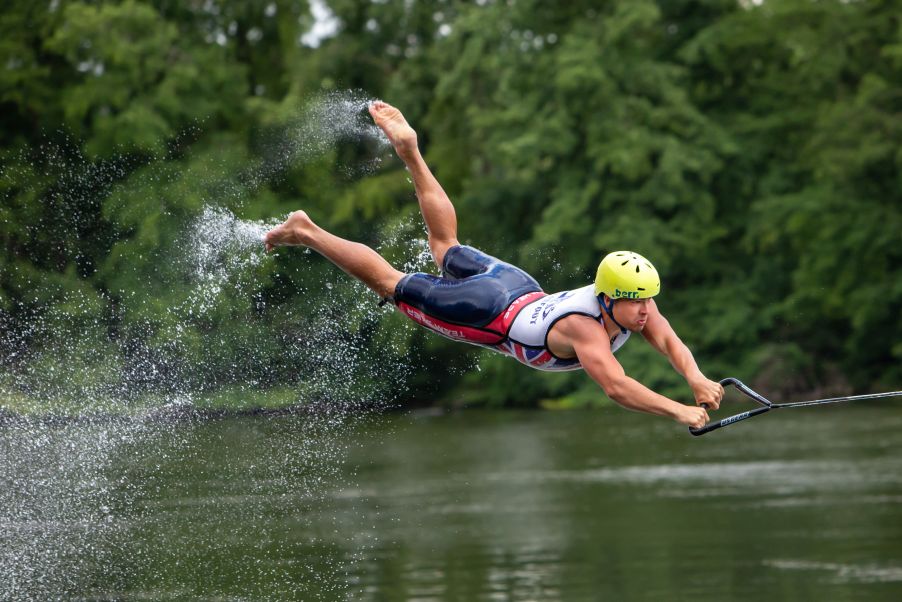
492, 333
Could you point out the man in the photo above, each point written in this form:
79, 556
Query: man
485, 301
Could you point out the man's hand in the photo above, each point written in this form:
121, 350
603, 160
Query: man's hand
692, 417
707, 392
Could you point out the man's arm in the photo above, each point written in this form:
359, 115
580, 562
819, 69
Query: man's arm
592, 347
662, 337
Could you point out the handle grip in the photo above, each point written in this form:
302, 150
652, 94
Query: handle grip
745, 390
728, 420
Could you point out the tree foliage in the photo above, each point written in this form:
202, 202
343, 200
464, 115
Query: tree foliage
751, 150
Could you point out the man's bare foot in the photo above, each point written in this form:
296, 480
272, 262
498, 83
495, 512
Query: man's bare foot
296, 230
400, 134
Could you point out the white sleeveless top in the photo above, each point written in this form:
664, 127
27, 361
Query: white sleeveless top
527, 339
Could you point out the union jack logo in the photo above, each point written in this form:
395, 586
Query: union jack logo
540, 359
537, 358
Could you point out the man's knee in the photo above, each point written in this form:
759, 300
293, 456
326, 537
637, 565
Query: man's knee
387, 284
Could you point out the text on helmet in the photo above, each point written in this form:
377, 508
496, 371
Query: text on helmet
619, 294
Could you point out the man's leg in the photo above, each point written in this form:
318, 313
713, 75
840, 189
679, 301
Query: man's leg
355, 258
438, 212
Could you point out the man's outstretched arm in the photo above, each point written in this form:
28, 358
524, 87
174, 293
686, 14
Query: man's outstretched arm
662, 337
590, 342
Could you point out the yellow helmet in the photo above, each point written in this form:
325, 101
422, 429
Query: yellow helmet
627, 275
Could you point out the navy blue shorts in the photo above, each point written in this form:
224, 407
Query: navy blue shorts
473, 290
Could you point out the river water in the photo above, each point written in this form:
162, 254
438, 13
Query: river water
469, 506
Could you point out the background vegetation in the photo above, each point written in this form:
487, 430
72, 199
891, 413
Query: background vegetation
751, 150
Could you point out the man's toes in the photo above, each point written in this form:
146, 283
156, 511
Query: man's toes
376, 108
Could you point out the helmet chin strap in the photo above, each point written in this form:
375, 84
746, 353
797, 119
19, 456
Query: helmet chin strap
609, 309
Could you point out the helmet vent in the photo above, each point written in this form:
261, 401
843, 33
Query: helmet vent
637, 269
625, 262
640, 288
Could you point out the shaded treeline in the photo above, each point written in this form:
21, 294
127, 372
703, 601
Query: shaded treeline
752, 152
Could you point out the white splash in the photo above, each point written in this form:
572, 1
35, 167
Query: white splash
221, 242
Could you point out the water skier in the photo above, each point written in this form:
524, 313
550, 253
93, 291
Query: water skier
484, 301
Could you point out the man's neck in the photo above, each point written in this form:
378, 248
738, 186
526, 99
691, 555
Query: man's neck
609, 324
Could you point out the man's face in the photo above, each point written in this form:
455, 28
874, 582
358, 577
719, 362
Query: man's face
631, 313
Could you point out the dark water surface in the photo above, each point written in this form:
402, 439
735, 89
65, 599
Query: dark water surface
494, 506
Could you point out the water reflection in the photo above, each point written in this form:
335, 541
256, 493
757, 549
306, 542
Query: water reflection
473, 506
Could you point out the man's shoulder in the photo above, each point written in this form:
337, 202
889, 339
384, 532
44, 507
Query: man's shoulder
580, 325
573, 332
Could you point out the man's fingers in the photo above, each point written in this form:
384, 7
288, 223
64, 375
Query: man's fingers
700, 419
695, 417
714, 395
720, 391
